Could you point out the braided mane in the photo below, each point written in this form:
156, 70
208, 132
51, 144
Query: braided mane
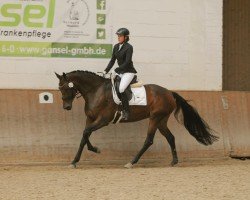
82, 72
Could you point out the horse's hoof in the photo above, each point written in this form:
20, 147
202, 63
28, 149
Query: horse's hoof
72, 166
128, 166
97, 150
174, 162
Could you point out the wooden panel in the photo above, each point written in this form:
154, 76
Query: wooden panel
34, 132
236, 122
236, 45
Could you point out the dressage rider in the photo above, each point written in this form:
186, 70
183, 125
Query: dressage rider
123, 52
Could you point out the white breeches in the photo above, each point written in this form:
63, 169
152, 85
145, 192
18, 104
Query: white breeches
126, 79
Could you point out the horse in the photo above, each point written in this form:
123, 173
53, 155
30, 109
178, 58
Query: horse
100, 109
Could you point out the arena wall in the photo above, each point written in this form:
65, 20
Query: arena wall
34, 132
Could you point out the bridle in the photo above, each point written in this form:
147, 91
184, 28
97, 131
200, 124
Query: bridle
71, 86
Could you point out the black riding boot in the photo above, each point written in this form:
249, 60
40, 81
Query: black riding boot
125, 106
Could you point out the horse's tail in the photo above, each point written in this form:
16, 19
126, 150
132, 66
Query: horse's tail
193, 122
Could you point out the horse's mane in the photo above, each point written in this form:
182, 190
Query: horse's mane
88, 72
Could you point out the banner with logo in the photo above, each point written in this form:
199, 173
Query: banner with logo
55, 28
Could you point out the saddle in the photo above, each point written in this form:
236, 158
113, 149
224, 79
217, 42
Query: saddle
135, 92
128, 90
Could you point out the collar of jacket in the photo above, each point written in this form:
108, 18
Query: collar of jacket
123, 45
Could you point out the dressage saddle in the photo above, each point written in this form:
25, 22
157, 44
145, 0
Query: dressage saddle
128, 90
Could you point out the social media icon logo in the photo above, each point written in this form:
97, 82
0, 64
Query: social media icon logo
101, 4
101, 33
100, 18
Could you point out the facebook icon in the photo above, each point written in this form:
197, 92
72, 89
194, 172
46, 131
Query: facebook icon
101, 4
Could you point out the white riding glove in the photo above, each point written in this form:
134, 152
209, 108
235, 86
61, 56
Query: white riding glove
104, 73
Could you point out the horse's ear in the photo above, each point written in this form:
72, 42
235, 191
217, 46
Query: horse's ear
58, 76
65, 76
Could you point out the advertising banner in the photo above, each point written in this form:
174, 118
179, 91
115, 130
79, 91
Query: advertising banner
55, 28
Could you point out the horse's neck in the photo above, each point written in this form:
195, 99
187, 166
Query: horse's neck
87, 84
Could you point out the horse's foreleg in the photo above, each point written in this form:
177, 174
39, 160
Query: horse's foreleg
89, 145
92, 148
85, 136
148, 142
90, 127
171, 140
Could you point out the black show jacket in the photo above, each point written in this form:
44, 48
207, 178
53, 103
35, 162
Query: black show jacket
124, 59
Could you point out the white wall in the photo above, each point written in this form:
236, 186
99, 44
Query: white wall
177, 44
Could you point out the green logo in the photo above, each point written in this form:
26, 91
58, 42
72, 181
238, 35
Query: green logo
32, 15
100, 18
101, 33
101, 4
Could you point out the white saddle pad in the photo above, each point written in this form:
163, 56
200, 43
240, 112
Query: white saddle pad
139, 97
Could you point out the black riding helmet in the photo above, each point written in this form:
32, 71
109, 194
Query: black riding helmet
122, 31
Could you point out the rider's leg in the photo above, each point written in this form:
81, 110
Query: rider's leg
125, 106
126, 79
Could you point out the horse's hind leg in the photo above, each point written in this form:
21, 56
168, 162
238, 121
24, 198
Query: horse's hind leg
170, 138
148, 142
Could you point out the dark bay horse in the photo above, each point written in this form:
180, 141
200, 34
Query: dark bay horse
100, 110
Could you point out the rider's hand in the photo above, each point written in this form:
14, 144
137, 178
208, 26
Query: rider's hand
104, 73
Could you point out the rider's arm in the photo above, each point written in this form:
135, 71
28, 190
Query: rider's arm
128, 60
112, 61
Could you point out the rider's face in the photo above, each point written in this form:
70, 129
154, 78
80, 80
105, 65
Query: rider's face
121, 38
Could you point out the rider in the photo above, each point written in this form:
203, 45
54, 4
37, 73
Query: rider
123, 52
